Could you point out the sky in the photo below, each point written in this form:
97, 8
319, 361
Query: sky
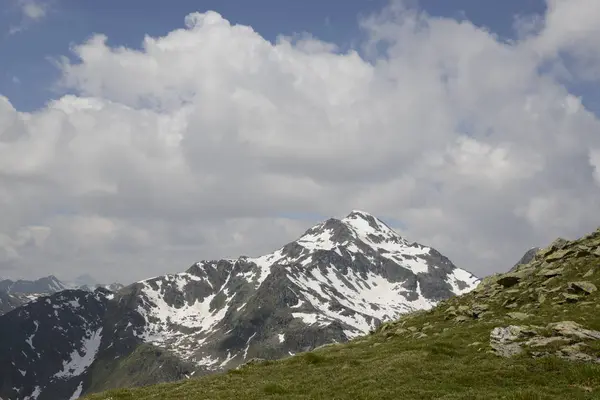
137, 139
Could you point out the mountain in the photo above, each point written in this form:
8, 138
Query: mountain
85, 280
527, 257
341, 279
49, 284
113, 287
14, 294
531, 333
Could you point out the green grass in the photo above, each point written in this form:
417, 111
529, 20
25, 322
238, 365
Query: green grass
395, 369
437, 367
447, 364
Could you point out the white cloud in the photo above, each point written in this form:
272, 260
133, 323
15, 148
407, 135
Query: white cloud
31, 11
199, 145
572, 28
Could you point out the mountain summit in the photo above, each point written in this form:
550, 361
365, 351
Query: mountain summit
340, 279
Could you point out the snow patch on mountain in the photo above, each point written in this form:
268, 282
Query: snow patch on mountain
77, 392
82, 357
35, 394
462, 281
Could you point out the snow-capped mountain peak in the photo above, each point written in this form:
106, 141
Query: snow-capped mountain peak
366, 225
351, 274
362, 233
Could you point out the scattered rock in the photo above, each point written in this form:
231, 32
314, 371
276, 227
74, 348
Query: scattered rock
551, 272
462, 318
420, 335
518, 316
571, 328
252, 361
509, 280
571, 298
574, 353
539, 341
485, 283
478, 310
541, 298
558, 243
591, 271
560, 254
503, 340
412, 328
400, 331
512, 340
582, 287
549, 281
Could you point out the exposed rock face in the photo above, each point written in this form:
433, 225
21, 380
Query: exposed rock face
504, 340
512, 340
341, 279
551, 275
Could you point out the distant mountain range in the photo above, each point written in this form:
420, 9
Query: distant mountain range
16, 293
339, 280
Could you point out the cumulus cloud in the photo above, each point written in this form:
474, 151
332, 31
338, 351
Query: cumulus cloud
205, 142
568, 35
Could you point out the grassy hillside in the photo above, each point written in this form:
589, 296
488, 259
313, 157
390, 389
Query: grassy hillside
528, 334
147, 364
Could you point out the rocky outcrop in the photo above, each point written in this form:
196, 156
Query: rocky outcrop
529, 307
569, 339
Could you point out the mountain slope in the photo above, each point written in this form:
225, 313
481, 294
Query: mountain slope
532, 333
9, 301
341, 279
49, 343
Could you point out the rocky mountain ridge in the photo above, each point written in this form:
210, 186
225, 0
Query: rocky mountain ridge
544, 306
14, 294
341, 279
